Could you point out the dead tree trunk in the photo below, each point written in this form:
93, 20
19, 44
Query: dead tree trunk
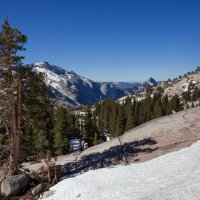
48, 163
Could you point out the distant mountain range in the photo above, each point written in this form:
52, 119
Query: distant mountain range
74, 90
187, 87
125, 85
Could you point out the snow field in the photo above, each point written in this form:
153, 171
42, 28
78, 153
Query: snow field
174, 176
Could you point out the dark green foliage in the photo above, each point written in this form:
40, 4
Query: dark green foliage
88, 128
165, 105
11, 42
117, 118
158, 110
130, 122
37, 112
175, 104
60, 131
121, 122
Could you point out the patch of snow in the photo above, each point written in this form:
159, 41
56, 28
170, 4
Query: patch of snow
39, 63
173, 176
75, 145
87, 81
51, 78
55, 85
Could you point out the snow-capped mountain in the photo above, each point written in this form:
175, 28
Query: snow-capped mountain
73, 89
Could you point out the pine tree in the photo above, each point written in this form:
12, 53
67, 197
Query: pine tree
88, 129
60, 131
165, 105
175, 103
130, 118
157, 109
121, 122
37, 114
113, 118
11, 41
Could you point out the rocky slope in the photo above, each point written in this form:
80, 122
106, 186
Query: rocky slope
140, 144
180, 86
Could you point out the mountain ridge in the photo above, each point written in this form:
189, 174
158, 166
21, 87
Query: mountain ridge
70, 88
67, 87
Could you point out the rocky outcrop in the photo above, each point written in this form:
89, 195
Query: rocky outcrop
14, 185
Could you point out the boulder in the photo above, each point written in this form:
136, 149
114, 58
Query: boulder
14, 185
38, 189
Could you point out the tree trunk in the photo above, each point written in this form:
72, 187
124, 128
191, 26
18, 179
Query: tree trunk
15, 133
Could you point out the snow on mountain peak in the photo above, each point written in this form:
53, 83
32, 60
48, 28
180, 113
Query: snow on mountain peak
40, 63
72, 88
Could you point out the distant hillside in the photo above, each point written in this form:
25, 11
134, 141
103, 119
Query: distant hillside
187, 87
134, 87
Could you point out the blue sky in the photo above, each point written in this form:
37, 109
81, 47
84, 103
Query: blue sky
110, 40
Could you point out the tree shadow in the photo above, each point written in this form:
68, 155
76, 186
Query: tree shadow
114, 155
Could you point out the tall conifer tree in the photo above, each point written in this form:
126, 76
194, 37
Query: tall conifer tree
11, 41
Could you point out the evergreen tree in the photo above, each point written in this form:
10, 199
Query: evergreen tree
88, 130
60, 131
38, 114
130, 118
113, 118
157, 109
175, 104
121, 122
165, 105
11, 41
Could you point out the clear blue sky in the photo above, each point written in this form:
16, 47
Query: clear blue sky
110, 40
